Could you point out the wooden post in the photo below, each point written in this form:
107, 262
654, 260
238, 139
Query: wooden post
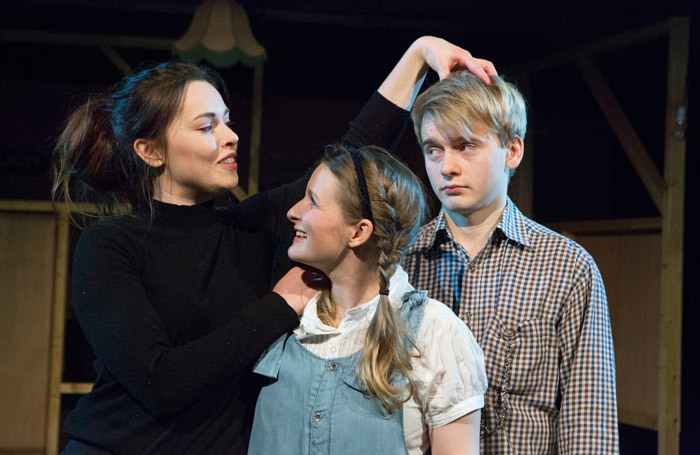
672, 241
255, 132
57, 330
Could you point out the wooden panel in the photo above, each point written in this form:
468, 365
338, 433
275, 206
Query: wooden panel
26, 288
630, 265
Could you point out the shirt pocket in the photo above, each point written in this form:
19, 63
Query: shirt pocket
518, 354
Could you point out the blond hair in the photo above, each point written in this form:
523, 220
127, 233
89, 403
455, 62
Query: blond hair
398, 205
462, 101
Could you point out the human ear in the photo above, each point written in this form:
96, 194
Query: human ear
361, 233
148, 152
514, 152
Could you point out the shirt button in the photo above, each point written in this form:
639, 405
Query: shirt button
318, 417
333, 349
471, 269
333, 366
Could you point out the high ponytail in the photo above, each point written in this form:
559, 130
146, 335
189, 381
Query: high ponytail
84, 167
398, 205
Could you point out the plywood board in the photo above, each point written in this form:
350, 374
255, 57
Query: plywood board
630, 265
27, 245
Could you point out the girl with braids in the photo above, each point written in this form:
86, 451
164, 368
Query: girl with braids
172, 293
375, 366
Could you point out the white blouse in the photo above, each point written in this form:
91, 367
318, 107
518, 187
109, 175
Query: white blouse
449, 377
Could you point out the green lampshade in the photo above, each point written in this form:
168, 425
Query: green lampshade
220, 34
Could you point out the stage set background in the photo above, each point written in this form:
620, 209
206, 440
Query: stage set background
323, 61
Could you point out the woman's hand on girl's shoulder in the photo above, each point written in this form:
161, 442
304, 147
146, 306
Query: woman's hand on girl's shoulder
299, 285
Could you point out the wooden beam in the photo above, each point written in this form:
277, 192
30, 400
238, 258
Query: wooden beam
57, 330
26, 206
78, 39
670, 324
76, 388
116, 60
606, 227
626, 39
387, 21
623, 129
46, 207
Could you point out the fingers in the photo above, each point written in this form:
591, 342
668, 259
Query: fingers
299, 285
462, 59
450, 57
488, 67
443, 72
291, 282
478, 71
479, 67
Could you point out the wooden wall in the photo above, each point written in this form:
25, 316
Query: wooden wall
28, 245
630, 264
629, 258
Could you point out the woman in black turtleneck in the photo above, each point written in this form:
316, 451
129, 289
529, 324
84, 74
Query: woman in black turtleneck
174, 295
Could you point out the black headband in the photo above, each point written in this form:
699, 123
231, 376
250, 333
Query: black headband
364, 194
362, 184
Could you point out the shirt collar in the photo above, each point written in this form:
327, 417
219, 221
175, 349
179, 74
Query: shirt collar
512, 225
311, 325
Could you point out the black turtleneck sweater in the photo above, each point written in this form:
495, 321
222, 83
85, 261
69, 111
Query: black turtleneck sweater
177, 307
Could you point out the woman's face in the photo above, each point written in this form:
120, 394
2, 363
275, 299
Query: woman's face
201, 149
322, 234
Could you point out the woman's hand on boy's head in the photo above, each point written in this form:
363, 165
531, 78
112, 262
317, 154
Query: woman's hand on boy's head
444, 57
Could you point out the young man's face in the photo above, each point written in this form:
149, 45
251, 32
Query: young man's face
469, 175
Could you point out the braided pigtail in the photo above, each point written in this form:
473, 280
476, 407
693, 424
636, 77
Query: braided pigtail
387, 349
398, 208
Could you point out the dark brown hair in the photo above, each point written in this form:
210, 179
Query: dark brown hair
94, 159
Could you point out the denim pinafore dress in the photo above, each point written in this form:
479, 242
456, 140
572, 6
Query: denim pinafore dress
316, 406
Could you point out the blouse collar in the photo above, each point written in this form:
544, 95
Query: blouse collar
311, 325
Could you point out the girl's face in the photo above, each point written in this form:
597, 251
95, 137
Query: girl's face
322, 234
201, 149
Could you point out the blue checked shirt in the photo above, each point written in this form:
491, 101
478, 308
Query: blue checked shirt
536, 304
